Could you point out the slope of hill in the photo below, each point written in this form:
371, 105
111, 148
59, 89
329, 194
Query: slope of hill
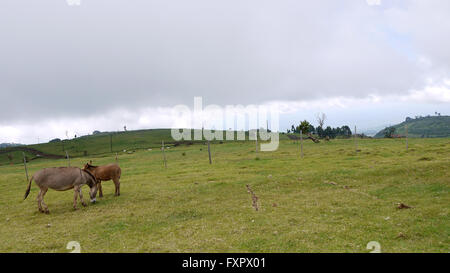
89, 145
431, 126
102, 143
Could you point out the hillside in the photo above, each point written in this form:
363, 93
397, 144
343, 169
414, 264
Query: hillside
431, 126
98, 144
89, 145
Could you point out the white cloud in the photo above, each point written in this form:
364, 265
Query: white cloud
106, 64
164, 117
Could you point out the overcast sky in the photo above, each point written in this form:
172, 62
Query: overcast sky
109, 63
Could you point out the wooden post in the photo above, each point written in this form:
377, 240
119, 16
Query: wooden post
209, 152
116, 157
406, 128
68, 158
256, 137
164, 155
25, 164
356, 143
110, 142
301, 143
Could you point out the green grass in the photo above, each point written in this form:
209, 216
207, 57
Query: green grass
195, 207
96, 145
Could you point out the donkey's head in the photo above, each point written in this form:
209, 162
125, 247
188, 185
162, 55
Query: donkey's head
89, 167
92, 183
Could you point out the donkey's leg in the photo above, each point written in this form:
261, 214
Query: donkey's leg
39, 200
117, 184
99, 187
75, 195
44, 191
80, 193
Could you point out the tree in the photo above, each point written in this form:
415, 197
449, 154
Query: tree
328, 132
320, 131
304, 126
321, 117
389, 132
345, 131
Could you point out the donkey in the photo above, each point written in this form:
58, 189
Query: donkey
62, 179
105, 173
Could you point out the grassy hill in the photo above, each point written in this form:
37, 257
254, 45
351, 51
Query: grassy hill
432, 126
89, 145
99, 144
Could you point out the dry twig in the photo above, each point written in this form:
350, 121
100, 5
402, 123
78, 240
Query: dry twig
254, 198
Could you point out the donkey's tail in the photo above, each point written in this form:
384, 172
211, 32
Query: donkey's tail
28, 189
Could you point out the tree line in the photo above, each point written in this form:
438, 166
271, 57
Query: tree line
307, 128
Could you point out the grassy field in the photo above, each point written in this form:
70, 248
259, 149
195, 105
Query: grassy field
332, 200
94, 145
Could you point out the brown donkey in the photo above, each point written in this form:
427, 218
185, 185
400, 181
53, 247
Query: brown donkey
62, 179
105, 173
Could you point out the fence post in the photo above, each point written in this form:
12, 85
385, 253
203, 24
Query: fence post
209, 152
110, 142
406, 128
256, 137
116, 157
301, 143
164, 155
356, 142
68, 158
25, 164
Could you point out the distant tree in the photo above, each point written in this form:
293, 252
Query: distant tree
304, 126
96, 132
321, 117
55, 140
345, 131
389, 132
328, 132
408, 119
319, 131
125, 128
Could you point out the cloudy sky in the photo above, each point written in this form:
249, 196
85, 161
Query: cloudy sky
104, 64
